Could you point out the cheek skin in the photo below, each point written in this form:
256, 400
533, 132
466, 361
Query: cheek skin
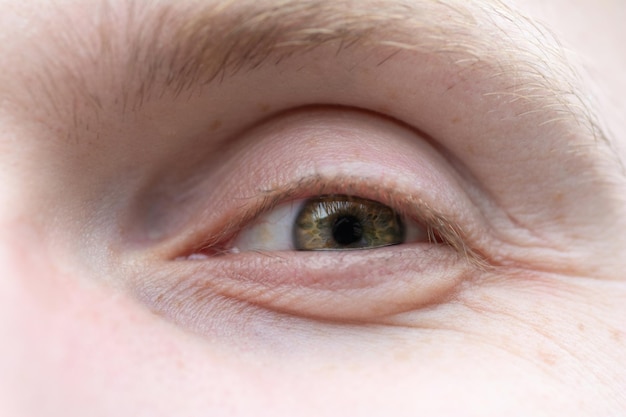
72, 347
569, 328
78, 346
88, 349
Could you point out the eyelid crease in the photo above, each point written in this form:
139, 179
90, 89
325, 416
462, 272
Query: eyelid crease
439, 227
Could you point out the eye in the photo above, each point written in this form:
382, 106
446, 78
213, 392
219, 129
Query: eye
321, 214
330, 222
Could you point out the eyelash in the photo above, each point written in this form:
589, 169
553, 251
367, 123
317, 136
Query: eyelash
439, 229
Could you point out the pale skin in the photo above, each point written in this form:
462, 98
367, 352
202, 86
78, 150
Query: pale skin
121, 175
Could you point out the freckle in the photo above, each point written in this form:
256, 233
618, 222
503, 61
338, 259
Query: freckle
402, 355
264, 107
312, 142
616, 335
217, 123
558, 197
392, 94
581, 327
455, 120
548, 358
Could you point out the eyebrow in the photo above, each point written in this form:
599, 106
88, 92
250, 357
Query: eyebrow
177, 48
219, 40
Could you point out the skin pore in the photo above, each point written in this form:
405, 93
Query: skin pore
142, 142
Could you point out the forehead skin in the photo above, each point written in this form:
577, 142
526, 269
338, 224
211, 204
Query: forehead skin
70, 347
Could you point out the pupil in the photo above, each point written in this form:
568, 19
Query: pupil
347, 230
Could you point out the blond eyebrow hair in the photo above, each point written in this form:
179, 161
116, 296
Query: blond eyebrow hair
177, 47
221, 41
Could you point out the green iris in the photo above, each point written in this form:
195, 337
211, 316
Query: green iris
343, 222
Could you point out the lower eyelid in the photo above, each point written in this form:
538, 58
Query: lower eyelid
352, 285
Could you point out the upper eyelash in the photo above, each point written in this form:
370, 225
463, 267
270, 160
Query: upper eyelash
438, 226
